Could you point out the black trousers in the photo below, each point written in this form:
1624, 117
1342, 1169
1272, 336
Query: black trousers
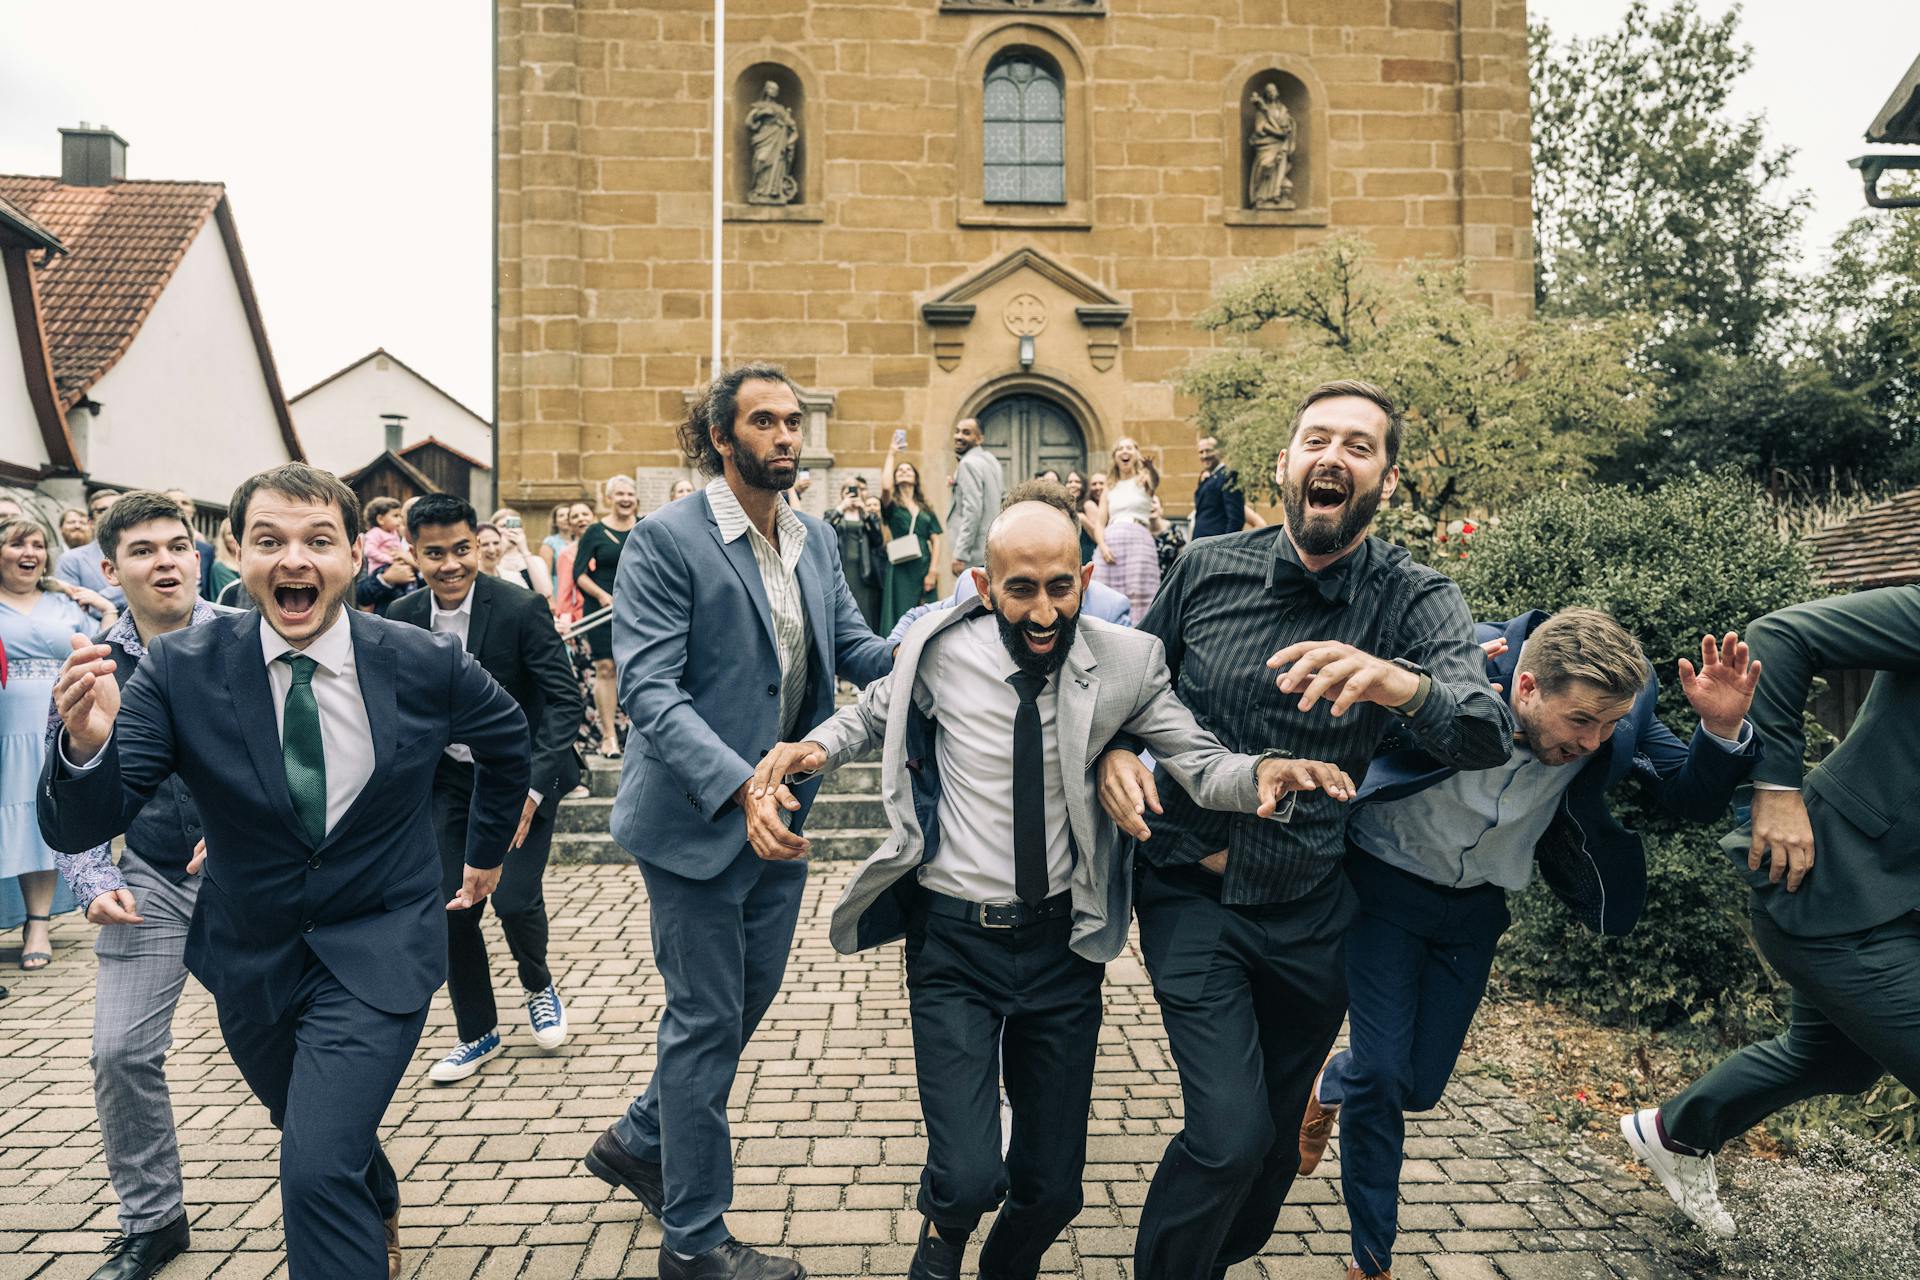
984, 1002
1252, 998
325, 1073
519, 903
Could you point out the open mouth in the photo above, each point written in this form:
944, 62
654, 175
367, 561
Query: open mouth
1040, 641
296, 602
1326, 493
165, 584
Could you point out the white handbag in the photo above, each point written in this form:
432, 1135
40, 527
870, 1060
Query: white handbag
904, 549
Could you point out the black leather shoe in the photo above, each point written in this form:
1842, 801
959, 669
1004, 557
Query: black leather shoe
731, 1261
610, 1162
136, 1257
937, 1258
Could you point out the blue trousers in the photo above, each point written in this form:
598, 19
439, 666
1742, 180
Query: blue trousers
1418, 956
326, 1072
721, 947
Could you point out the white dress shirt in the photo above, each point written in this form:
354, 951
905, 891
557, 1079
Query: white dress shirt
458, 623
778, 569
345, 734
963, 679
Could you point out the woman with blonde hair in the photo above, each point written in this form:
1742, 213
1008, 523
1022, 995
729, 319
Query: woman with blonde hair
518, 564
1127, 559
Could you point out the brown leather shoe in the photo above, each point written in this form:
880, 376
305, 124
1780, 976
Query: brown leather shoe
1316, 1127
393, 1246
1355, 1273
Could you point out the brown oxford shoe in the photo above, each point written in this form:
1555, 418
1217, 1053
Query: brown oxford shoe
393, 1246
1316, 1127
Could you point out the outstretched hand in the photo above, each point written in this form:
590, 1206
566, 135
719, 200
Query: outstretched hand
1279, 777
1341, 674
1721, 692
87, 698
1127, 792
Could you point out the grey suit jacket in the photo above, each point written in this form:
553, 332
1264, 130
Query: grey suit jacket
978, 487
1861, 800
1114, 679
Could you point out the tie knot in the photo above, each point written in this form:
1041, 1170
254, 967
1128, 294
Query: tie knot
301, 665
1027, 685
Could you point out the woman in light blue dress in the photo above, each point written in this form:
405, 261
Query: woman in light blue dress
38, 617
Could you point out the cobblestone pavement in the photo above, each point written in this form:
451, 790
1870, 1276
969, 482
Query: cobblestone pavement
825, 1123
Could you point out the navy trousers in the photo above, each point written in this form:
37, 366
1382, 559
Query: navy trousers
721, 947
326, 1072
1418, 956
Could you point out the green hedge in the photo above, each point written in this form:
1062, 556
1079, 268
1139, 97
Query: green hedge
1699, 554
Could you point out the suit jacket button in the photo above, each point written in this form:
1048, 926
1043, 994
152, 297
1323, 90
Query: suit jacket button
773, 691
314, 862
306, 926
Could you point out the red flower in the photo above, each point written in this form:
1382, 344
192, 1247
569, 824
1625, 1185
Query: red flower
1467, 527
1443, 537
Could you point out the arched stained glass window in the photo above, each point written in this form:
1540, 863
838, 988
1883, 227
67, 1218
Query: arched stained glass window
1024, 125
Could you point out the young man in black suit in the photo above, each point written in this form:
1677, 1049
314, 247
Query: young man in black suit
509, 631
320, 926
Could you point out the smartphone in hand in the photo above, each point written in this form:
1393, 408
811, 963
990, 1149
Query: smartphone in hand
899, 438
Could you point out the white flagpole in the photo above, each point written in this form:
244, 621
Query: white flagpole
719, 161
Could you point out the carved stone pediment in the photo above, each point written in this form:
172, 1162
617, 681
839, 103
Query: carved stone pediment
1100, 315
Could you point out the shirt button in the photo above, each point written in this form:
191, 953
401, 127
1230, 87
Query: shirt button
306, 926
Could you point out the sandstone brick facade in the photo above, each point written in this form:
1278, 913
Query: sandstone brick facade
1418, 125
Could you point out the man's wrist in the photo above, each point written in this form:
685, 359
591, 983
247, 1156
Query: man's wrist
1726, 731
1418, 686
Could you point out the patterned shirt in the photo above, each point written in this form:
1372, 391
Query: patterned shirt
777, 570
1234, 601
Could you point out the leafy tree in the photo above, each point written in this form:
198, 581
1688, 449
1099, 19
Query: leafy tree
1865, 321
1496, 407
1649, 194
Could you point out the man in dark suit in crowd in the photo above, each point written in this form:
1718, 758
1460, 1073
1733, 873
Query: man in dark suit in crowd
1833, 856
509, 631
320, 928
1218, 505
731, 620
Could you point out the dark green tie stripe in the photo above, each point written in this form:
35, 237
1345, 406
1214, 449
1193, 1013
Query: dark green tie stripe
300, 747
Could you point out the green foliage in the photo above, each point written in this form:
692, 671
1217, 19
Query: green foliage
1496, 407
1865, 321
1649, 194
1699, 554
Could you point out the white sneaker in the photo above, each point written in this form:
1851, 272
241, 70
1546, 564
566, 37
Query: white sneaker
548, 1016
1690, 1180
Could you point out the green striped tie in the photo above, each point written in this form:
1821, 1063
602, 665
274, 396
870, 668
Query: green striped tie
300, 746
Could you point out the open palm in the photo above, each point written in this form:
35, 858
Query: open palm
1721, 691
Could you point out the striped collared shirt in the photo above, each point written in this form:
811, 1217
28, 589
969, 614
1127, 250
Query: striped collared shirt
1234, 600
778, 567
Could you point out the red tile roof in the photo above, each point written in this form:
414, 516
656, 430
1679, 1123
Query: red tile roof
124, 243
1880, 547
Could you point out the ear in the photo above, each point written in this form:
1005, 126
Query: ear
1280, 469
1389, 483
980, 584
112, 574
1525, 686
1086, 576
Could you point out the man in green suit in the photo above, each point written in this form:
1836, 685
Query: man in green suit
1834, 860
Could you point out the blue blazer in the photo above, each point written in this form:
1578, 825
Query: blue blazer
700, 679
366, 899
1595, 865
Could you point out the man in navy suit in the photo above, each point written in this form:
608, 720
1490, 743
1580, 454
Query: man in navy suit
320, 929
731, 619
1432, 853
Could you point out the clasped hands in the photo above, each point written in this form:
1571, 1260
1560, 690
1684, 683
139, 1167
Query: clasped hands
767, 797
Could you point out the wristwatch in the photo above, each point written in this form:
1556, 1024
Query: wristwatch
1412, 705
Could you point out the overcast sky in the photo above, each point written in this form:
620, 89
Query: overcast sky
356, 141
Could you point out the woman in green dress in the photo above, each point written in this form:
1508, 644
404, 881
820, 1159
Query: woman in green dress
904, 510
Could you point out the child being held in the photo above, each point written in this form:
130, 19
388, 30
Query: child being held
384, 545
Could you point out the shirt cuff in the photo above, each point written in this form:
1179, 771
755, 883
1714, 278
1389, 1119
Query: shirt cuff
90, 765
535, 796
1746, 737
1773, 786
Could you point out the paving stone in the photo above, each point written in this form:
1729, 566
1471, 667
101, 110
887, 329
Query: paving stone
826, 1122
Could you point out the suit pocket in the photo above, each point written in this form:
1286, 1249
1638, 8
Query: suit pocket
1864, 816
412, 888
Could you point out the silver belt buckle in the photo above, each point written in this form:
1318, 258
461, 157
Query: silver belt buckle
988, 908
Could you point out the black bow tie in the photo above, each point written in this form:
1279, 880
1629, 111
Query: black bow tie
1292, 578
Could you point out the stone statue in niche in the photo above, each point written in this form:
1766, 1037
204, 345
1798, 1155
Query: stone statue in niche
1272, 140
773, 135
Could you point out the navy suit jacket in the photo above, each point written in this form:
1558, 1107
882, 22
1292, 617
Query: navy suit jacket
700, 679
1595, 865
366, 899
1218, 505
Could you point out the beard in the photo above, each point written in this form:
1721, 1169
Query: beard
1013, 635
1325, 532
759, 473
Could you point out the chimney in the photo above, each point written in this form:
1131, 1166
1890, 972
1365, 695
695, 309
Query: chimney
396, 423
92, 156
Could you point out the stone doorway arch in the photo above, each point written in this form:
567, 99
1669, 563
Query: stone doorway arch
1030, 432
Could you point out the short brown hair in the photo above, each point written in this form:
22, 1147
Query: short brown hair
379, 507
1363, 390
12, 527
1588, 646
1051, 492
131, 509
297, 480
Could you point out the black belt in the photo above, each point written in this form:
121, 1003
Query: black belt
997, 915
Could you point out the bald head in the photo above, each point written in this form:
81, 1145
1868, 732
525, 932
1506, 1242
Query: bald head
1031, 531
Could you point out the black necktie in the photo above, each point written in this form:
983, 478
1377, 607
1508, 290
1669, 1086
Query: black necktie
1029, 792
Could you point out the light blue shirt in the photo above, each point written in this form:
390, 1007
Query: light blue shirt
1479, 826
81, 567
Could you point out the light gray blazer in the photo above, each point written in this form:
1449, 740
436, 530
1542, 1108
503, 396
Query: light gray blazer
978, 487
1114, 679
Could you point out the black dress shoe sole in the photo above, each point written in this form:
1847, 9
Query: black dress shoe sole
609, 1175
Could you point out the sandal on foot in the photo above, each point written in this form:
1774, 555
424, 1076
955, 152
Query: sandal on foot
33, 961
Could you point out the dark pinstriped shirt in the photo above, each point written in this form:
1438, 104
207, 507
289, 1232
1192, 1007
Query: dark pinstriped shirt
1234, 601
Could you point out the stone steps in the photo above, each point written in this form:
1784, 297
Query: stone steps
845, 824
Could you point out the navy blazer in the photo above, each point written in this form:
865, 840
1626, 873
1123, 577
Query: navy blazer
366, 899
1218, 505
700, 679
1595, 865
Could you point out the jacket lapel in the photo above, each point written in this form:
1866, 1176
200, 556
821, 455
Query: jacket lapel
254, 712
814, 592
1077, 693
376, 666
482, 615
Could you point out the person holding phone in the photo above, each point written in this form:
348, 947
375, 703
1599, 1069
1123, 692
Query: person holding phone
861, 542
909, 580
518, 564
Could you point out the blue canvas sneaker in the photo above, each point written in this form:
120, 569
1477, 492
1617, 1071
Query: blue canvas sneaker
466, 1060
548, 1016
